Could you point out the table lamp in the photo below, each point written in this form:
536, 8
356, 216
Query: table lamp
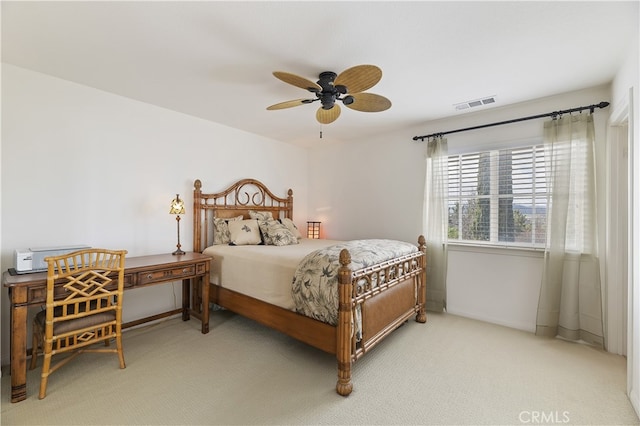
313, 230
177, 208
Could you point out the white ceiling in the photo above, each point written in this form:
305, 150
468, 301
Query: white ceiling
214, 60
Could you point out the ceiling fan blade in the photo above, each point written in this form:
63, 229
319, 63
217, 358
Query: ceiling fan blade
288, 104
369, 102
298, 81
327, 116
359, 78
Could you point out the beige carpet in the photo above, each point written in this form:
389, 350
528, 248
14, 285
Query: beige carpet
451, 370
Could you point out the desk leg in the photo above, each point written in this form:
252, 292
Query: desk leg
18, 344
203, 299
204, 285
186, 299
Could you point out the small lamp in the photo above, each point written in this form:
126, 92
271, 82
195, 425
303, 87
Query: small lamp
177, 208
313, 230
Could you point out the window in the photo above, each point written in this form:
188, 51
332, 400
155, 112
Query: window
498, 197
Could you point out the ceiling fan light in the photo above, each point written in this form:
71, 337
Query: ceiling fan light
340, 88
348, 100
327, 100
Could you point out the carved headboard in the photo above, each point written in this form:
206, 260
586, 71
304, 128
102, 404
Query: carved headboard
238, 199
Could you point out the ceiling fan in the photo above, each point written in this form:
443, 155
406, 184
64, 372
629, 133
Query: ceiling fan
347, 87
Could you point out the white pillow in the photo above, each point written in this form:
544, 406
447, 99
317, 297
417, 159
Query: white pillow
291, 227
244, 232
221, 229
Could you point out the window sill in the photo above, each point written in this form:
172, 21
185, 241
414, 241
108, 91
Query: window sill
498, 250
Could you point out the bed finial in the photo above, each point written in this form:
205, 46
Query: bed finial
197, 185
345, 257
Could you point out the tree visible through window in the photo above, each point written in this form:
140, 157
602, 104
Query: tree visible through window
498, 197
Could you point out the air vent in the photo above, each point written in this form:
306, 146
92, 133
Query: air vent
475, 103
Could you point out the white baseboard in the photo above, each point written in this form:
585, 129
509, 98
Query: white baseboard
480, 317
635, 401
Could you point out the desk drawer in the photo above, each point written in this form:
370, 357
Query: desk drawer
166, 274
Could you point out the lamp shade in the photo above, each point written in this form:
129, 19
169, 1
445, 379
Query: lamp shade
177, 205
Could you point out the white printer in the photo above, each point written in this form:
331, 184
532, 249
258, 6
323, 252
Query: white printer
32, 259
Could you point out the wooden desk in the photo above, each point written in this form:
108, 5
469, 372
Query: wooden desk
30, 290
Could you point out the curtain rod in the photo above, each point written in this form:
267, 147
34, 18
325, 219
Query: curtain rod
553, 114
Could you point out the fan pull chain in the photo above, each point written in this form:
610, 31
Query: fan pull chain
321, 131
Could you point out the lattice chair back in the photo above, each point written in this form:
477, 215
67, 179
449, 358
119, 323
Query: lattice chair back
84, 307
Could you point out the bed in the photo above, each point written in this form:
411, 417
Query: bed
372, 298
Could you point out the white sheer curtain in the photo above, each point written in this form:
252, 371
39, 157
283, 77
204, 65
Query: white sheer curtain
570, 304
436, 223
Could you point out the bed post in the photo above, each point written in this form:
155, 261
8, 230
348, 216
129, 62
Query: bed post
343, 348
421, 316
197, 223
289, 211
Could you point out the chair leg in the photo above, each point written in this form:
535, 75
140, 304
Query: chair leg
45, 374
120, 352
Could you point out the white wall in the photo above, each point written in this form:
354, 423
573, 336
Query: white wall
494, 285
626, 103
368, 189
376, 190
81, 165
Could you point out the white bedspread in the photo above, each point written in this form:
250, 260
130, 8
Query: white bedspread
264, 272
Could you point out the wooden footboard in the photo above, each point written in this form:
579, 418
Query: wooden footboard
399, 293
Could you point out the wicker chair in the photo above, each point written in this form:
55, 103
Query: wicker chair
83, 307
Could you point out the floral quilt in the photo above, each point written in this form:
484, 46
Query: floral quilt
315, 283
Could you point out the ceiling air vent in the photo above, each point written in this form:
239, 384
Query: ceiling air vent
475, 103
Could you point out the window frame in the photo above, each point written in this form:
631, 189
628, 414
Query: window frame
536, 197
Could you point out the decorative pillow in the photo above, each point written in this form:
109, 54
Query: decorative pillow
260, 215
291, 227
221, 229
244, 232
276, 234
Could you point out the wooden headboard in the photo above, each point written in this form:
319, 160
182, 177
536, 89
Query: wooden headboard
238, 199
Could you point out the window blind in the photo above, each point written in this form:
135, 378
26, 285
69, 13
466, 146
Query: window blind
498, 196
